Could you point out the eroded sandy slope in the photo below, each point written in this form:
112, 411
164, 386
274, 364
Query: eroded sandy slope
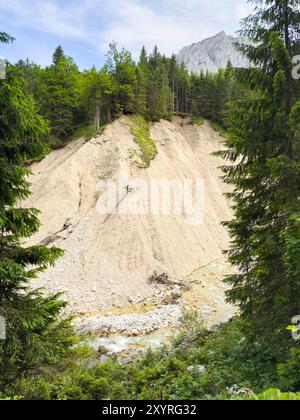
108, 259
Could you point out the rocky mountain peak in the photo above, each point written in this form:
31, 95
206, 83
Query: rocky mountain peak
212, 54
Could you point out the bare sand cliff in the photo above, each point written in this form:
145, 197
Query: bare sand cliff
109, 258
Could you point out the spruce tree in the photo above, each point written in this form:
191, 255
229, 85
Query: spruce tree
60, 95
5, 38
35, 334
263, 144
160, 97
173, 80
99, 88
58, 55
142, 84
122, 69
31, 74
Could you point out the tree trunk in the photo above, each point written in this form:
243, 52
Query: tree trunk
97, 115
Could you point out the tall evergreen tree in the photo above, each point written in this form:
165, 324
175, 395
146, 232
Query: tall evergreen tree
123, 70
31, 74
142, 84
58, 55
35, 334
264, 145
60, 95
5, 38
210, 93
99, 88
160, 97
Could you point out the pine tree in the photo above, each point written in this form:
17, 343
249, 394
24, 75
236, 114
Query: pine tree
209, 94
5, 38
123, 70
99, 88
60, 95
31, 74
160, 97
58, 55
35, 333
182, 89
264, 145
142, 84
173, 80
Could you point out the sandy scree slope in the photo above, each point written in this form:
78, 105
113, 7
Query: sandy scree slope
107, 261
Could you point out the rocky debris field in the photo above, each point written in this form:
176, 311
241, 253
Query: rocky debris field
165, 316
201, 292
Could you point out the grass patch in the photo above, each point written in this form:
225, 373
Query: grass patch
86, 131
81, 131
141, 133
197, 120
217, 127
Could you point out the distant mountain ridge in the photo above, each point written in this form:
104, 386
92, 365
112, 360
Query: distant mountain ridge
212, 54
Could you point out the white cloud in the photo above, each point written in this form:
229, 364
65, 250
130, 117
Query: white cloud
136, 25
47, 16
170, 24
243, 10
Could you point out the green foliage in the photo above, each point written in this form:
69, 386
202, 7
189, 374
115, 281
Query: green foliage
289, 371
142, 87
35, 332
210, 94
196, 120
31, 74
140, 130
58, 55
98, 92
57, 90
276, 395
70, 381
159, 95
5, 38
168, 373
60, 94
180, 85
171, 372
217, 127
123, 71
155, 87
85, 131
263, 147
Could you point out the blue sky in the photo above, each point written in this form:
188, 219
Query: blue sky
85, 27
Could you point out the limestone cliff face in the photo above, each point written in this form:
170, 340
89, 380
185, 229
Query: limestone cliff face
212, 54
